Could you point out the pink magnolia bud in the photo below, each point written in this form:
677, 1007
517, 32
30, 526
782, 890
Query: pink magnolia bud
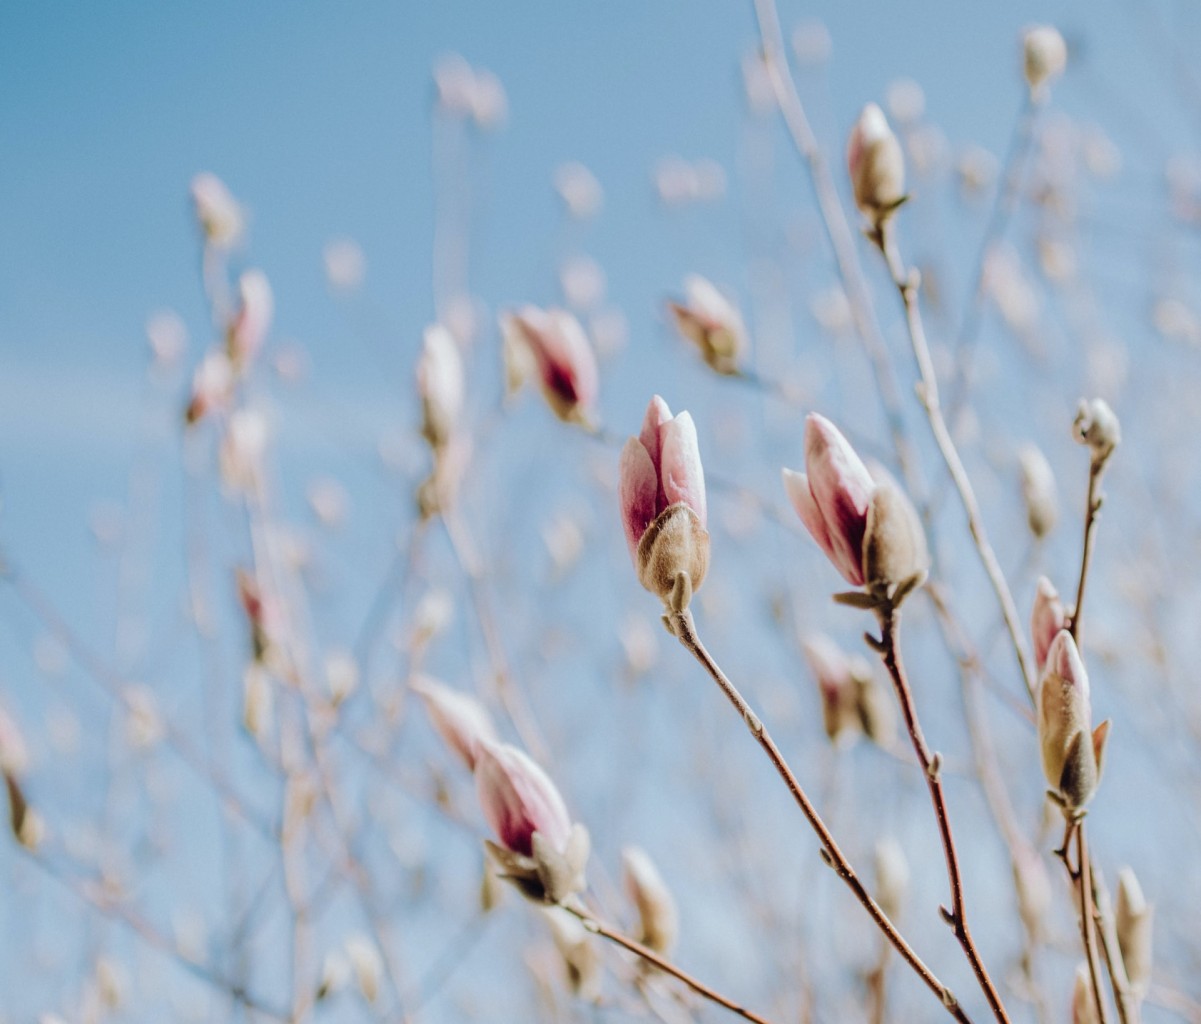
565, 361
440, 385
519, 799
1071, 751
212, 386
836, 684
662, 495
250, 324
876, 165
460, 720
1047, 619
711, 322
218, 212
866, 527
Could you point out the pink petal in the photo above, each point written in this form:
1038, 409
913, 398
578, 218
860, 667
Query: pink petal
1046, 620
657, 413
460, 720
519, 799
680, 471
842, 488
253, 319
637, 487
801, 495
1063, 659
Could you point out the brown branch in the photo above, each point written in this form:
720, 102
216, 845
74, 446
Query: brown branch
1080, 876
1096, 470
931, 764
683, 628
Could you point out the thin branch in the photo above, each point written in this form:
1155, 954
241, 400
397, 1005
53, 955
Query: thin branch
907, 283
1107, 931
956, 917
1096, 470
651, 957
683, 628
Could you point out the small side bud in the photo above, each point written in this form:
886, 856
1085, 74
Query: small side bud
876, 165
892, 876
1038, 491
1097, 426
1045, 56
1134, 919
657, 915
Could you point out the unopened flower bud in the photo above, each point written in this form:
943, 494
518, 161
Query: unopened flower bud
1084, 1005
212, 386
248, 329
894, 546
540, 850
657, 915
1071, 750
892, 876
1097, 426
1047, 619
1038, 491
581, 958
460, 720
440, 386
14, 754
217, 211
876, 165
662, 495
711, 322
367, 964
1134, 919
831, 666
563, 357
1045, 57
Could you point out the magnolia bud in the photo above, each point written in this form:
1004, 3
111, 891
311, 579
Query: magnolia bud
711, 322
1097, 426
440, 385
212, 386
367, 964
248, 329
658, 919
876, 165
892, 876
1134, 919
1038, 491
836, 684
1047, 619
1084, 1005
894, 546
218, 212
662, 496
14, 754
1045, 56
1071, 754
581, 959
564, 360
460, 720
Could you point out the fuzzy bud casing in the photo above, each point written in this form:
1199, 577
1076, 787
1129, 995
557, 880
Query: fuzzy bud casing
876, 165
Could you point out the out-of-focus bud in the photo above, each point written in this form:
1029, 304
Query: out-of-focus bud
1071, 750
657, 916
1084, 1006
1038, 491
892, 876
262, 615
1033, 889
866, 527
540, 850
1097, 426
212, 386
241, 454
341, 675
248, 329
581, 959
489, 102
454, 85
111, 982
1045, 56
440, 385
1047, 619
434, 612
144, 726
258, 700
367, 964
874, 703
217, 211
662, 494
460, 720
564, 360
711, 322
345, 265
168, 337
1134, 917
14, 754
876, 165
835, 682
335, 973
580, 191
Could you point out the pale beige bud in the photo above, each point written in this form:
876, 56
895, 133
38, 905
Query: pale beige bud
657, 914
1134, 925
1084, 1006
876, 165
894, 545
367, 964
581, 959
1038, 491
341, 675
258, 699
674, 543
892, 876
1045, 56
335, 974
1097, 426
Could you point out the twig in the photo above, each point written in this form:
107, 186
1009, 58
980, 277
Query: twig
907, 283
683, 628
1096, 470
1080, 876
651, 957
1107, 931
956, 917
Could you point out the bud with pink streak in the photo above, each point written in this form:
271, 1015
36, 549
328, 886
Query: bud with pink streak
212, 386
564, 359
539, 849
711, 322
866, 526
1071, 749
876, 165
661, 490
460, 720
252, 320
217, 211
1047, 619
